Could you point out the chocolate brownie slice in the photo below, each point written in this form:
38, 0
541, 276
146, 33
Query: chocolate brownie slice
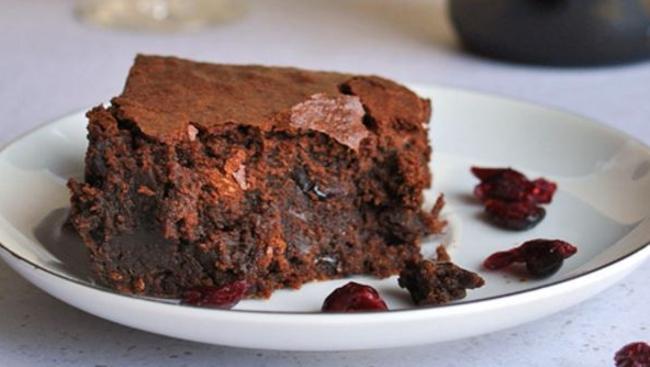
201, 174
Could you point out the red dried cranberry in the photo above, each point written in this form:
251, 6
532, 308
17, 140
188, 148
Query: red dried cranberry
225, 297
543, 190
633, 355
516, 215
502, 190
509, 185
542, 257
502, 259
564, 248
354, 297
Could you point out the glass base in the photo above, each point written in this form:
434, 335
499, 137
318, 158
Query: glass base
159, 15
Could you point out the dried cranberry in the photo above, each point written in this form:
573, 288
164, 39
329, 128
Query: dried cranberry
542, 263
502, 190
485, 174
502, 259
516, 216
564, 248
225, 297
542, 257
543, 190
354, 297
633, 355
510, 185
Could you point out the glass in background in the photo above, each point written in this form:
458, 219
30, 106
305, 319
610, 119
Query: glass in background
159, 15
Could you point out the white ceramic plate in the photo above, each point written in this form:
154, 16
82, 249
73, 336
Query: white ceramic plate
602, 206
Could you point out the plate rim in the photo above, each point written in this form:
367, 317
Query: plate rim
512, 295
578, 118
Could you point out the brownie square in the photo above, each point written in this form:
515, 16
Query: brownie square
202, 174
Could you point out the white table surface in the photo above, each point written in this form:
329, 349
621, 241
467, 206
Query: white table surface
50, 65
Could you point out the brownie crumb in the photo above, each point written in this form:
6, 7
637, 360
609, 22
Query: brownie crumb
438, 206
437, 282
434, 221
442, 254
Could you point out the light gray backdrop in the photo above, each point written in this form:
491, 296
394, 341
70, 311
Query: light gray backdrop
51, 65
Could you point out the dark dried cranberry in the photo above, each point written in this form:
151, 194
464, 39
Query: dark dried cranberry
225, 297
542, 257
530, 248
542, 263
633, 355
485, 174
354, 297
516, 215
509, 185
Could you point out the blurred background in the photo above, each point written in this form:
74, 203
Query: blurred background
46, 48
585, 56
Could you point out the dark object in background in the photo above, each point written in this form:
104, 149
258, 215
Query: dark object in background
555, 32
